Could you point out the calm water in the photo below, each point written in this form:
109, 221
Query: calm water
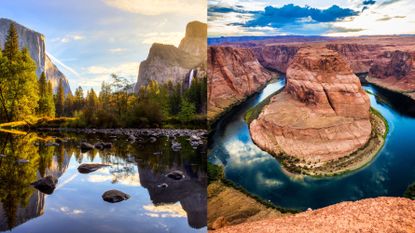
259, 173
76, 204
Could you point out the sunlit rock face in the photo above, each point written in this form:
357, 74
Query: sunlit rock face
394, 70
189, 191
195, 41
322, 114
367, 215
35, 43
166, 63
233, 75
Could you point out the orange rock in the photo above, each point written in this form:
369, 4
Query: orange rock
373, 215
323, 113
233, 75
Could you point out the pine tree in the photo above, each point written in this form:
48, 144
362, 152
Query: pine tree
11, 47
78, 99
18, 82
46, 107
60, 100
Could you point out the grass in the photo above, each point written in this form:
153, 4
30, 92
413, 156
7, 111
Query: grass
377, 113
216, 173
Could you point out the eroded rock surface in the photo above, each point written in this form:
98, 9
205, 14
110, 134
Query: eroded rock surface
394, 70
234, 74
322, 115
380, 215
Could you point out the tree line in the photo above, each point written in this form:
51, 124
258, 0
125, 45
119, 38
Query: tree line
23, 96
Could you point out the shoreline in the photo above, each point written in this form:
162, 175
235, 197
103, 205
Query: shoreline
404, 93
212, 122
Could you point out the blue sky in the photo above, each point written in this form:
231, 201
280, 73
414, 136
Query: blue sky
310, 17
90, 39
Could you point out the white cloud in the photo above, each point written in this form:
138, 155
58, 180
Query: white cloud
165, 211
117, 50
172, 38
159, 7
69, 38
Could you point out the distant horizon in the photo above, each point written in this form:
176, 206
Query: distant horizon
335, 18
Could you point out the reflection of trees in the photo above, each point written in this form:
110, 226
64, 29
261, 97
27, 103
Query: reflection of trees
15, 178
20, 202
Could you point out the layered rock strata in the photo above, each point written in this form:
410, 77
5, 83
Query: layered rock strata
321, 116
394, 70
233, 75
380, 215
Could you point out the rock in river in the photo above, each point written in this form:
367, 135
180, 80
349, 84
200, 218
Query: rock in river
46, 185
90, 167
321, 115
114, 196
175, 175
86, 146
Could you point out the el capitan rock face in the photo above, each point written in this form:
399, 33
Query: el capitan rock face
168, 63
380, 215
35, 42
233, 74
320, 116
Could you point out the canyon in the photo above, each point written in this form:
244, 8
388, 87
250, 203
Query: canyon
35, 43
168, 63
362, 53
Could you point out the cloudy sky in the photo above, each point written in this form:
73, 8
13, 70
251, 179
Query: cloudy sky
310, 17
90, 39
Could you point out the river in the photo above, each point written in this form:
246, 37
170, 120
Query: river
76, 204
259, 173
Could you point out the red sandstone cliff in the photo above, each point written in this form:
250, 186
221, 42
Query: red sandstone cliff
233, 74
394, 70
374, 215
322, 115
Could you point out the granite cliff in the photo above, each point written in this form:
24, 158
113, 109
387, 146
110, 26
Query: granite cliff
321, 116
35, 43
168, 63
233, 74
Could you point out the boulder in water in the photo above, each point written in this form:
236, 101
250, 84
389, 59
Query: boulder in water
86, 146
46, 185
175, 175
114, 196
90, 167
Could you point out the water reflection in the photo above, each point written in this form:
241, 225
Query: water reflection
137, 169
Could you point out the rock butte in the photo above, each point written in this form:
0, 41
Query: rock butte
322, 114
233, 74
380, 215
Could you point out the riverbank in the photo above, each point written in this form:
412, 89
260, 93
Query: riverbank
229, 204
389, 87
214, 117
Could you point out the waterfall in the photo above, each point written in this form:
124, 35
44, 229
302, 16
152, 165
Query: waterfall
190, 79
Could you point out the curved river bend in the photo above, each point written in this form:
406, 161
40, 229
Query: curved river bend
259, 173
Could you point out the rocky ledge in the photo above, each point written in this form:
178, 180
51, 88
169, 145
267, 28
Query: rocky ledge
321, 124
393, 70
380, 215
